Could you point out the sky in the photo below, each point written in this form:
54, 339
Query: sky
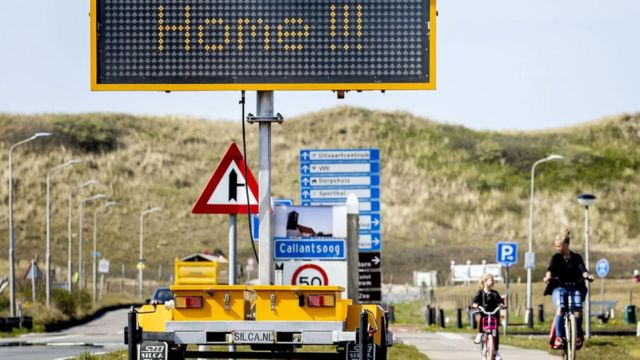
501, 65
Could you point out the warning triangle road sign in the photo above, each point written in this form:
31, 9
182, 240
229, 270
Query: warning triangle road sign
226, 192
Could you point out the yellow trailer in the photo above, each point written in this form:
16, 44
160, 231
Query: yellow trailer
261, 321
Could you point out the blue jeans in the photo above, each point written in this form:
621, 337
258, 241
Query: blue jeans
561, 297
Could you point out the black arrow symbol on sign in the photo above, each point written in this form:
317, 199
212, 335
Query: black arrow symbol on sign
233, 185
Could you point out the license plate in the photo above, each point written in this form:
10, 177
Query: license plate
253, 337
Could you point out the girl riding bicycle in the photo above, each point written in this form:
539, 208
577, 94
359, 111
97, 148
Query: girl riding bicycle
566, 266
489, 299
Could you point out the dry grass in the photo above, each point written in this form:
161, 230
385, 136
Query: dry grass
448, 193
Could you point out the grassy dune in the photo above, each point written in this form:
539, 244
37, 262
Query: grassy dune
448, 193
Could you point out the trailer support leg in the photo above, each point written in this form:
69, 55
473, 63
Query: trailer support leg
363, 334
131, 334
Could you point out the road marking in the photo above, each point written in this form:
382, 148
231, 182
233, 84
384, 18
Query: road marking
451, 336
48, 339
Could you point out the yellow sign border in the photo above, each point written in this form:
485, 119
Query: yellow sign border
95, 86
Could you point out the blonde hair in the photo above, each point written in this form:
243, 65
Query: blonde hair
564, 237
484, 278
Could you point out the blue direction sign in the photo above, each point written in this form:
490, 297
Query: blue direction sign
507, 253
328, 176
310, 249
602, 268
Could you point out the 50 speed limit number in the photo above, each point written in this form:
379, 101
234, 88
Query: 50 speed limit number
310, 274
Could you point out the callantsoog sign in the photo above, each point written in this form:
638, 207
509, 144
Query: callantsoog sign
263, 45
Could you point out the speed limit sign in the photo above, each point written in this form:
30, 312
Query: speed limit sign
314, 273
310, 274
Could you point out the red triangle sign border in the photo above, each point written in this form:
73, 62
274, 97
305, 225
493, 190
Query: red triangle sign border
202, 206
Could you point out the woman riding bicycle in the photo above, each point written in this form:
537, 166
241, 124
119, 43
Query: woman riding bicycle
566, 266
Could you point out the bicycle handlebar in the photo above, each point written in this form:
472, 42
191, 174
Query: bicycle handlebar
482, 310
569, 283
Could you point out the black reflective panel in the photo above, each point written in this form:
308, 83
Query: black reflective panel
262, 41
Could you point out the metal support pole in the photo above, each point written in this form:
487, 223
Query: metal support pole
12, 241
233, 252
602, 295
69, 266
506, 302
353, 251
141, 258
33, 282
47, 277
529, 307
80, 239
93, 256
586, 259
265, 109
101, 285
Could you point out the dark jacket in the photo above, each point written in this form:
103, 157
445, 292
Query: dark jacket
566, 270
489, 301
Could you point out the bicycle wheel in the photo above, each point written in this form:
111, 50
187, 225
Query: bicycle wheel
489, 347
571, 332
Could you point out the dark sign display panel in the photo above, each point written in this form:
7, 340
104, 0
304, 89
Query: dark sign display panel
263, 44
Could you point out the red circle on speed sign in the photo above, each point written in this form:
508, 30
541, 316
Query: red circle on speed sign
313, 274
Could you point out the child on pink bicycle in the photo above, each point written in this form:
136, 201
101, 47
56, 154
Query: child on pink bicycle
490, 300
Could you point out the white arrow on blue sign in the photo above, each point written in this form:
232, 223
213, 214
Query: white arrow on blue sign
507, 253
602, 268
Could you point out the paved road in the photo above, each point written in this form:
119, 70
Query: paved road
101, 335
447, 346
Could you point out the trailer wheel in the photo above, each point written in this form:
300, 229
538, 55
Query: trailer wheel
177, 352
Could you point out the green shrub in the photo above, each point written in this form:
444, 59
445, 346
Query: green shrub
65, 301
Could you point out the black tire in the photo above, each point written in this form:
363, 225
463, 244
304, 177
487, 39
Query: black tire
381, 351
490, 347
572, 336
177, 352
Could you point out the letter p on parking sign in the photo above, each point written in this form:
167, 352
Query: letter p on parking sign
507, 253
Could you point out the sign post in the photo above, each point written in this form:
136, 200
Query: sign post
229, 191
103, 268
507, 256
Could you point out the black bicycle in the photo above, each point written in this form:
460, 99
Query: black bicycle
569, 321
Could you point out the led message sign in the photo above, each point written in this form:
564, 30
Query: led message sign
263, 44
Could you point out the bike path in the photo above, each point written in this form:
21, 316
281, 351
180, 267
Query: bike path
447, 346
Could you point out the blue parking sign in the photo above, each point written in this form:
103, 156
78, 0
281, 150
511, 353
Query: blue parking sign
507, 253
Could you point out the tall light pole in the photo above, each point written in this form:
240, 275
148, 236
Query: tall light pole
587, 200
141, 259
69, 246
80, 235
530, 257
95, 250
12, 234
48, 255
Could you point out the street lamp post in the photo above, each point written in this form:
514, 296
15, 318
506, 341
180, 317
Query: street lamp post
48, 254
530, 263
587, 200
95, 250
80, 235
69, 246
12, 235
141, 260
